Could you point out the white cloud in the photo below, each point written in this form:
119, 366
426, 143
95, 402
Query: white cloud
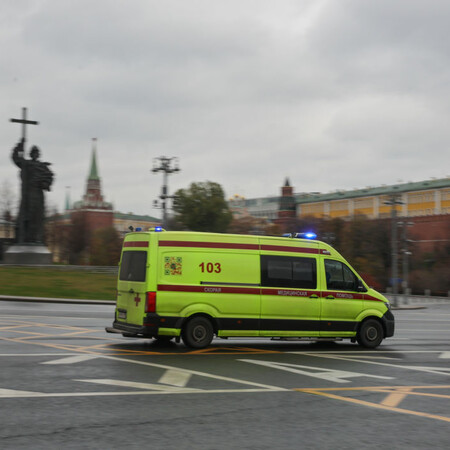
334, 95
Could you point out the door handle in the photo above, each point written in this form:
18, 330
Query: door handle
313, 296
131, 291
330, 297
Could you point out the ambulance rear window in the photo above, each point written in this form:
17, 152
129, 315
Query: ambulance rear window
133, 266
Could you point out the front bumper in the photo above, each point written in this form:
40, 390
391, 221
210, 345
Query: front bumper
388, 324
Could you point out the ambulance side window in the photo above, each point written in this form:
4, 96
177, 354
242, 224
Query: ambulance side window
287, 271
339, 276
133, 265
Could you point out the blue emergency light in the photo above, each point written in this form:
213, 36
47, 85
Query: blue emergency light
306, 235
138, 229
158, 229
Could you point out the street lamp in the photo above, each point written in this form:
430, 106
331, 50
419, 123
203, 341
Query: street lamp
394, 201
166, 166
405, 255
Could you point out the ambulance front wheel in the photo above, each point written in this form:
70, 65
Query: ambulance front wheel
370, 333
198, 332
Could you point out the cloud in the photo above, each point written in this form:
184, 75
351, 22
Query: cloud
334, 95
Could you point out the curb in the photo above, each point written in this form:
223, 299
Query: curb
12, 298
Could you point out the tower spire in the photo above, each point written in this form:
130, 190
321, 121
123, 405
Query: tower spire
93, 174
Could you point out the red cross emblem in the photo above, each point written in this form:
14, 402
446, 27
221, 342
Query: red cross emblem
137, 299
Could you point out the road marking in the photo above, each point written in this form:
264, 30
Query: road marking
196, 372
325, 393
175, 378
136, 385
445, 355
337, 376
71, 359
396, 397
14, 394
10, 393
435, 370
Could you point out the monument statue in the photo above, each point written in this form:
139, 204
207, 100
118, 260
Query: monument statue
36, 178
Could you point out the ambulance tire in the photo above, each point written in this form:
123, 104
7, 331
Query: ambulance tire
370, 333
198, 332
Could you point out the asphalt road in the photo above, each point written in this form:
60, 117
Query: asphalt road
65, 383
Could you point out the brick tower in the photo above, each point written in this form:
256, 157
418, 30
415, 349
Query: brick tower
287, 210
93, 210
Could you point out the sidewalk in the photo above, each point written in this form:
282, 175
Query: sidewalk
12, 298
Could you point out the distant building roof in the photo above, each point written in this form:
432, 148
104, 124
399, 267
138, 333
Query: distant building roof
137, 217
371, 191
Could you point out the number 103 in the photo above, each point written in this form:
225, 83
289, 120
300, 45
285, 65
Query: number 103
210, 267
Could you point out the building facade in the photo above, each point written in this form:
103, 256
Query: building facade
419, 199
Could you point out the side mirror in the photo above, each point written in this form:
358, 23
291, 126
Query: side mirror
360, 286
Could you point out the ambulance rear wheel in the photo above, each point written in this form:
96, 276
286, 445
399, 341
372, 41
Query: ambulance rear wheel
370, 333
198, 332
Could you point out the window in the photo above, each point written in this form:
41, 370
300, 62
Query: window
133, 266
290, 272
339, 276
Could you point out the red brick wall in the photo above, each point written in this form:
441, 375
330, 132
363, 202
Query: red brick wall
429, 231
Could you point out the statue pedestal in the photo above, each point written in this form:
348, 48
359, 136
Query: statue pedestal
34, 254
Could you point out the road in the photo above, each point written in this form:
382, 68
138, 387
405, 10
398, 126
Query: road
65, 383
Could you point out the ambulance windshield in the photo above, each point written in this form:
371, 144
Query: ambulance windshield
133, 266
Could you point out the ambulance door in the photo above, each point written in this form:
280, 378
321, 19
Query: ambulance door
341, 302
131, 287
290, 303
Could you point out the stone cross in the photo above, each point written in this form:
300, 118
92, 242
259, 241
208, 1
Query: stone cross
24, 123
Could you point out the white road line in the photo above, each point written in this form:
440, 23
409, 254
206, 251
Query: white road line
40, 354
195, 372
71, 359
422, 330
15, 394
143, 386
422, 320
337, 376
175, 378
445, 355
10, 393
434, 370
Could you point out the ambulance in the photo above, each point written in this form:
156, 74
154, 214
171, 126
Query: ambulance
194, 286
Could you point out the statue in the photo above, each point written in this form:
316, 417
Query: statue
36, 178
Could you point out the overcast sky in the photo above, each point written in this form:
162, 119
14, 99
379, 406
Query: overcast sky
334, 94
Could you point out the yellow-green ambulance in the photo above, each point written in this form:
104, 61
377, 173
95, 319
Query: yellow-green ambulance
196, 285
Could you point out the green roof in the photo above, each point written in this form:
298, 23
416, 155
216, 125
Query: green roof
373, 191
130, 216
93, 174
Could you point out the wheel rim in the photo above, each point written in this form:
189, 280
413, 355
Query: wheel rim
371, 334
199, 333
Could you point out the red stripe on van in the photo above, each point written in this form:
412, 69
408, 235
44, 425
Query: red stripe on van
372, 299
208, 289
208, 245
284, 292
343, 295
281, 248
227, 245
136, 244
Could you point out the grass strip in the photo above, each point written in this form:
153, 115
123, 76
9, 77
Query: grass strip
47, 282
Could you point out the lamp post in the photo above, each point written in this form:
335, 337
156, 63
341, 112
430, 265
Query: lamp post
166, 166
393, 201
405, 255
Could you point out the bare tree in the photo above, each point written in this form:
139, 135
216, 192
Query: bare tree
7, 207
